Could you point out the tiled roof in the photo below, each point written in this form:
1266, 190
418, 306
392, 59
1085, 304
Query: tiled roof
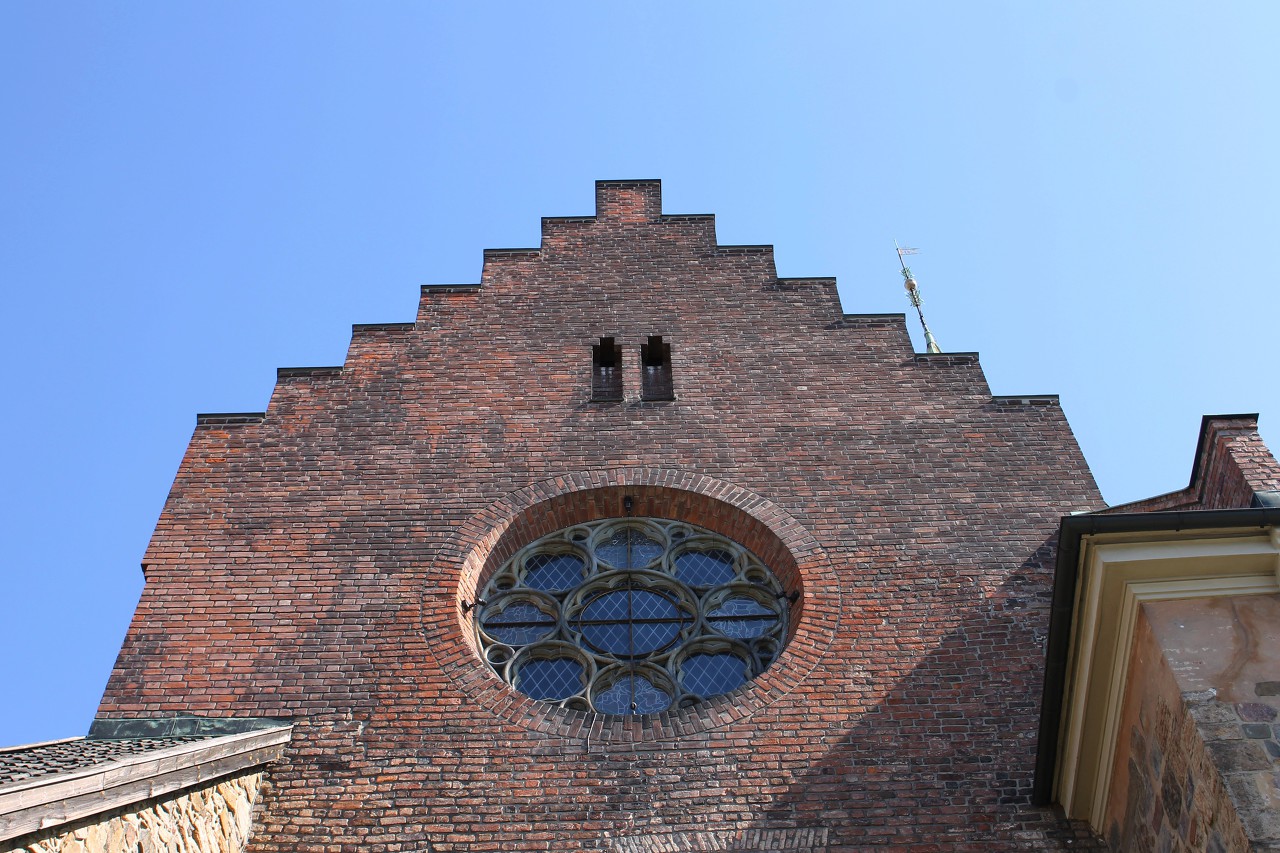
50, 784
20, 763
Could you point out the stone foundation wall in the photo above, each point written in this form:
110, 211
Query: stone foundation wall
213, 819
1244, 742
1166, 793
1225, 655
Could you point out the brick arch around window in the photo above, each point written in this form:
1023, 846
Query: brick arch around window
485, 541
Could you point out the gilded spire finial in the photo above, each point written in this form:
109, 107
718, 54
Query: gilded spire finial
913, 295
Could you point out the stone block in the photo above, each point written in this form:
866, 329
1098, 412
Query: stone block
1213, 712
1235, 755
1256, 803
1221, 731
1256, 712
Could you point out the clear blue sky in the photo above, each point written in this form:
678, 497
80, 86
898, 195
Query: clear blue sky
192, 194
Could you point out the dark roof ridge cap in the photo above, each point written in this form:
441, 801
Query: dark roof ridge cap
628, 182
583, 218
516, 251
286, 372
380, 327
1026, 399
945, 359
229, 418
1207, 424
744, 248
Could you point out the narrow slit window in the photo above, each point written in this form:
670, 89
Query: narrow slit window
655, 366
606, 371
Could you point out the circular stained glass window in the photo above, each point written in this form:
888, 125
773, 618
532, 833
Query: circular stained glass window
631, 616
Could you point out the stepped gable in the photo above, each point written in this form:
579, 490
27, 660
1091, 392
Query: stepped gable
320, 562
599, 266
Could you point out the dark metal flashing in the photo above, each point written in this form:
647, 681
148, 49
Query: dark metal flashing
688, 217
873, 319
1204, 435
816, 279
801, 285
568, 220
229, 418
357, 328
169, 727
295, 372
511, 253
1025, 400
666, 217
946, 359
762, 249
1061, 612
1265, 500
631, 182
449, 288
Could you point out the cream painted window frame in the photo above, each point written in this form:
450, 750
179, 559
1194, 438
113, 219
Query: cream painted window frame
1118, 572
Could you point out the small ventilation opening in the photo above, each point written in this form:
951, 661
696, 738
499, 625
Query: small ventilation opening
655, 361
606, 371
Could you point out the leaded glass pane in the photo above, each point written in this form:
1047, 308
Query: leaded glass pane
518, 624
742, 617
613, 638
628, 609
656, 622
713, 674
630, 622
550, 678
628, 548
553, 572
633, 694
705, 568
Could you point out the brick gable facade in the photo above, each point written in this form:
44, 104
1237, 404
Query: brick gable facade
312, 563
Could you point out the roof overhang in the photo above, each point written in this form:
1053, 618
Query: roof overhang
1108, 565
48, 801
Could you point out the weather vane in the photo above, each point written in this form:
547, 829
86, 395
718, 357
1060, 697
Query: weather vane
913, 294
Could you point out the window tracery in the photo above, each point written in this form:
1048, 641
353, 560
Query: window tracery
631, 616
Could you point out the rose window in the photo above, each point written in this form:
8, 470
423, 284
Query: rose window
631, 616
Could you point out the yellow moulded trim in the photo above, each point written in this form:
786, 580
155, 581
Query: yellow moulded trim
1117, 573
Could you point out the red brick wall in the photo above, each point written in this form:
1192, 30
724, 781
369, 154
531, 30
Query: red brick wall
311, 564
